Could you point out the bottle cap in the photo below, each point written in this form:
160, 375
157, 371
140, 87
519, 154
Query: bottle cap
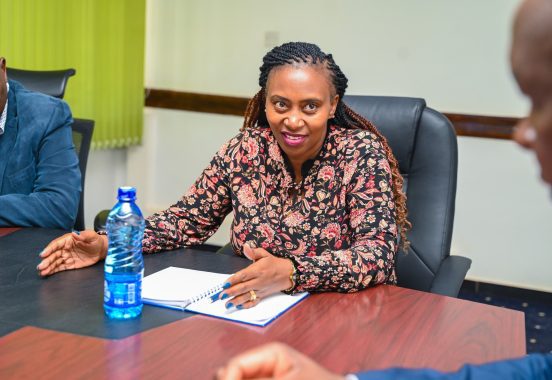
126, 193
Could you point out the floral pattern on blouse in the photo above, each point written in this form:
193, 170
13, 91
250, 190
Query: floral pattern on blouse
337, 225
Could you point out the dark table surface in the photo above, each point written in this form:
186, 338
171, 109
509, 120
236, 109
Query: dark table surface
381, 327
72, 301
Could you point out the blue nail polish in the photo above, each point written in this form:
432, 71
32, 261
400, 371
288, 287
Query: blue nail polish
229, 305
226, 285
76, 232
224, 296
215, 297
239, 307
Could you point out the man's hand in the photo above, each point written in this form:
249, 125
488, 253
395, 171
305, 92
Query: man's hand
274, 361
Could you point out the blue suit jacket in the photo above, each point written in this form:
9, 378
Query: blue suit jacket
534, 367
40, 180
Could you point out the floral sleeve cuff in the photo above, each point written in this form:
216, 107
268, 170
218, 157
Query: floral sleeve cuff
294, 277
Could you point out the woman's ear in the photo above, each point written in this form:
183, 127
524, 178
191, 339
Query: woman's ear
333, 104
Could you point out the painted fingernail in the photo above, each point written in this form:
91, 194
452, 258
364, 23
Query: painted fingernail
229, 305
215, 297
224, 296
239, 307
226, 285
530, 134
76, 232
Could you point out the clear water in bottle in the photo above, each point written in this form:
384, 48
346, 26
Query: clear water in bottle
124, 265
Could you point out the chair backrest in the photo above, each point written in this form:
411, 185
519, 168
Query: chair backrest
82, 139
425, 145
52, 83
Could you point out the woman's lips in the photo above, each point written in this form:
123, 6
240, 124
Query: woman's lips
293, 139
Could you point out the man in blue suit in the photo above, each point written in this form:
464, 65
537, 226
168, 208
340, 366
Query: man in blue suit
531, 59
40, 180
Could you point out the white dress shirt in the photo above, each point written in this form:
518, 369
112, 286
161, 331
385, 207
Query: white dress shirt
4, 113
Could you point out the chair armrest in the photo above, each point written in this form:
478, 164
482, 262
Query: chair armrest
450, 276
227, 250
100, 220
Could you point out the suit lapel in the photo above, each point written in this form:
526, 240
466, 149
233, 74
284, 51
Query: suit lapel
7, 140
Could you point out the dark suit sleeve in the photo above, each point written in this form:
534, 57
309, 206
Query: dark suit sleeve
534, 367
56, 191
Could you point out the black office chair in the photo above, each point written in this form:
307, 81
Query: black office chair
53, 83
425, 145
82, 139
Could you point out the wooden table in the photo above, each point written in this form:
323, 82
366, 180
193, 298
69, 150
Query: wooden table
6, 231
381, 327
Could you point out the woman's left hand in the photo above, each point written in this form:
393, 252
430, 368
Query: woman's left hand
267, 275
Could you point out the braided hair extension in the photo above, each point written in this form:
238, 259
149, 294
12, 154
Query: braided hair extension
292, 53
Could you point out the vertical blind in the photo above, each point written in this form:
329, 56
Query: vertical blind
102, 39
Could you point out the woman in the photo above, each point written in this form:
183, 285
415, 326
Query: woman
315, 190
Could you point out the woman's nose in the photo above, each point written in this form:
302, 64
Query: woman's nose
294, 121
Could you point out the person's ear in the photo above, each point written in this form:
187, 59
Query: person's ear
3, 67
333, 104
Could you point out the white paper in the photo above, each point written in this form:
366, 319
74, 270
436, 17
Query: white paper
176, 286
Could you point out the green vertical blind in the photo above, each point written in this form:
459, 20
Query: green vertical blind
102, 39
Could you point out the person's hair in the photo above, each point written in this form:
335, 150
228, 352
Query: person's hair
305, 53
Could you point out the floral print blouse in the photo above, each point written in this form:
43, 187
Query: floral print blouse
337, 225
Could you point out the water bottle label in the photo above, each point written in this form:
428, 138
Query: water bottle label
122, 294
131, 293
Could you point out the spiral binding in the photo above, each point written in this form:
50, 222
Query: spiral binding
207, 293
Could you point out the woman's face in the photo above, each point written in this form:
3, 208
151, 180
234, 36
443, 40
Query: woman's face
299, 101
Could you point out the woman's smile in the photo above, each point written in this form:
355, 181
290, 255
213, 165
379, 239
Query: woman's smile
293, 139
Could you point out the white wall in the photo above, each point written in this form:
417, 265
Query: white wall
452, 53
106, 171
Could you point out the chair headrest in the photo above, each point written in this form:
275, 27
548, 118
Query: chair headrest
397, 118
51, 83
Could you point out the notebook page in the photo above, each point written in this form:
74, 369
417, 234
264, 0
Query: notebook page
264, 312
174, 286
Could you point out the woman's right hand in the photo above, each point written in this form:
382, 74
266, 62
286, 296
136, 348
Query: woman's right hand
72, 251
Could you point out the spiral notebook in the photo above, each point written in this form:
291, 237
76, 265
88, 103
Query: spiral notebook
191, 290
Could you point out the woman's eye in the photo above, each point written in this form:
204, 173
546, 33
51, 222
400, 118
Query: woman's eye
311, 107
280, 105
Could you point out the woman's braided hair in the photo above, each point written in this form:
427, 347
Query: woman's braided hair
305, 53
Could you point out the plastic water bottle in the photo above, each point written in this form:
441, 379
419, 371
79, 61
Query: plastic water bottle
124, 265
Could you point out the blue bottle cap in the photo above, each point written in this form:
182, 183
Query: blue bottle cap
126, 193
